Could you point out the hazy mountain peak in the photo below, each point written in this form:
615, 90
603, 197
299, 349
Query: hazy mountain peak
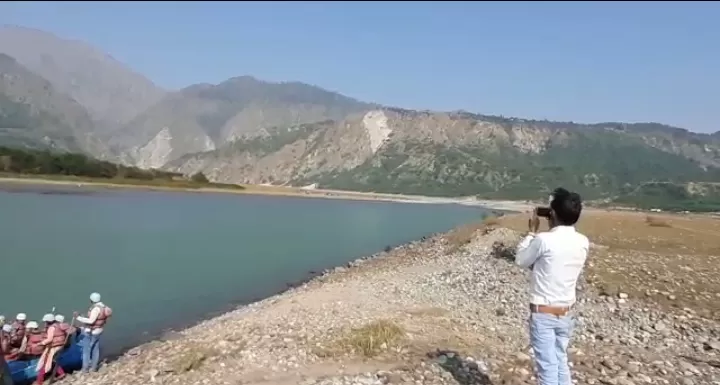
206, 116
110, 91
34, 114
7, 59
244, 80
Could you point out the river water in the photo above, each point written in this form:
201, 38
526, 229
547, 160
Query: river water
163, 260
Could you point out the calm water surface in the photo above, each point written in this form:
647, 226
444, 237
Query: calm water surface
167, 259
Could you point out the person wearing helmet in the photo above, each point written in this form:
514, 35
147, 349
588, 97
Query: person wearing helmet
18, 334
31, 343
70, 332
9, 352
66, 327
5, 335
94, 324
53, 343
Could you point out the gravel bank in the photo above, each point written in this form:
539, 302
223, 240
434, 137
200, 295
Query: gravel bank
430, 312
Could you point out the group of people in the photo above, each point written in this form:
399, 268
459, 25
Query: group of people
27, 340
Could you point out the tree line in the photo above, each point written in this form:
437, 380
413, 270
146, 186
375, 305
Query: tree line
38, 162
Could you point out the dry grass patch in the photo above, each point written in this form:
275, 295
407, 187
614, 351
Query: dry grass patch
622, 230
464, 234
656, 222
491, 221
192, 358
371, 339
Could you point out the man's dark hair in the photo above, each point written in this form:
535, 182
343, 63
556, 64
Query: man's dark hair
567, 206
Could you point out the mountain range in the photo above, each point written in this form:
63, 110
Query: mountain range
66, 95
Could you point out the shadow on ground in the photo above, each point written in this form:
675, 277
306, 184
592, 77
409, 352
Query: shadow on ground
465, 372
500, 250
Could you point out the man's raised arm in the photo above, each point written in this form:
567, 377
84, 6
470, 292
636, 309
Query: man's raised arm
528, 250
94, 314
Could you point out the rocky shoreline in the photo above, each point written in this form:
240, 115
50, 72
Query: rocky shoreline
450, 309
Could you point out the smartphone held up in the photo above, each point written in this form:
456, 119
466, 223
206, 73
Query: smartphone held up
542, 212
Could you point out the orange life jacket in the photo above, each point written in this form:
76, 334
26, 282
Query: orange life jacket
64, 326
102, 318
59, 336
33, 347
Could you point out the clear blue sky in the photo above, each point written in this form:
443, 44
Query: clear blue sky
586, 62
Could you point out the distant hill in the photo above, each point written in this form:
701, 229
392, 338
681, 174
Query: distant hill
204, 117
112, 93
34, 115
16, 162
437, 153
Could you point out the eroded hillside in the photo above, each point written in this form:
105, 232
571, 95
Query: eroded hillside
204, 117
403, 151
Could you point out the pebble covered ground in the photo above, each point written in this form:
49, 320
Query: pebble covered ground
450, 309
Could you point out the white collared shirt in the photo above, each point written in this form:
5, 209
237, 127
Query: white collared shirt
557, 257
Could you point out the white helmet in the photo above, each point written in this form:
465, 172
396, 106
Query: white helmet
7, 328
59, 318
48, 318
2, 319
94, 297
31, 325
21, 317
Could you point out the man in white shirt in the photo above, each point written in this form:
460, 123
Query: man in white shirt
557, 258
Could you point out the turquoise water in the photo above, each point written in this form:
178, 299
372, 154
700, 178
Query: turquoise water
163, 259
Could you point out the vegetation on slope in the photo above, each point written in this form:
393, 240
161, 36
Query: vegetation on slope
20, 127
597, 164
697, 197
47, 164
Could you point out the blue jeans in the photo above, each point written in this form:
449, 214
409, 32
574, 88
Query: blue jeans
91, 352
550, 337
